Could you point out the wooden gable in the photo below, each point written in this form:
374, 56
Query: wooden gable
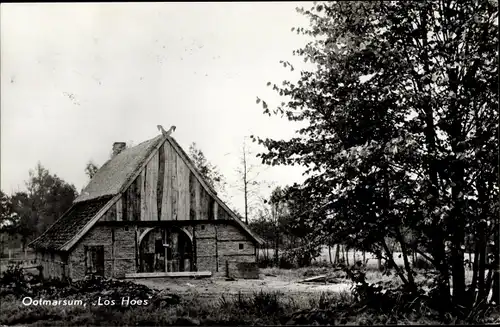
166, 188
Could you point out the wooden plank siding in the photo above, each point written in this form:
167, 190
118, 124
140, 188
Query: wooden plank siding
183, 188
142, 192
166, 202
174, 188
192, 197
160, 180
197, 192
166, 189
150, 187
119, 210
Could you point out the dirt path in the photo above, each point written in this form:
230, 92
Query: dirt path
216, 286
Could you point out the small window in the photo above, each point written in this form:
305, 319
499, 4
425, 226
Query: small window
241, 246
202, 227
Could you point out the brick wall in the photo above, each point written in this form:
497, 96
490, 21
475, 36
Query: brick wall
124, 251
205, 248
229, 240
119, 258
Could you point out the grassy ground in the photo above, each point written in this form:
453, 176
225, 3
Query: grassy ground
275, 299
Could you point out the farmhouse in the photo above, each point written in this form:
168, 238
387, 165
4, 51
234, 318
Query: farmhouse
146, 212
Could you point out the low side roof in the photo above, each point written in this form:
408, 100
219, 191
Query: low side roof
70, 223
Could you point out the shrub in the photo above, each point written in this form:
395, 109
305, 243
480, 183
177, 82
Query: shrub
265, 262
267, 303
421, 263
13, 274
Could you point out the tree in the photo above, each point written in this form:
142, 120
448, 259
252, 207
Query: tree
28, 220
7, 219
208, 171
49, 195
91, 169
46, 199
248, 174
402, 132
7, 216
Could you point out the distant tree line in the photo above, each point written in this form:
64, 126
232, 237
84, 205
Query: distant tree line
25, 215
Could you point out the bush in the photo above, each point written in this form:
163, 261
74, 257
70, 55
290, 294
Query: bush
421, 263
13, 274
265, 263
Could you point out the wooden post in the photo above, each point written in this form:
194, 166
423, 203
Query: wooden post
137, 252
216, 251
113, 252
165, 248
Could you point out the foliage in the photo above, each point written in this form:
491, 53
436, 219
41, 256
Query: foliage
7, 216
402, 133
208, 171
46, 199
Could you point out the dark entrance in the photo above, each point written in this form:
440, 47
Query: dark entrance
94, 260
166, 250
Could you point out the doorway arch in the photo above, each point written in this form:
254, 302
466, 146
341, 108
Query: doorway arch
168, 249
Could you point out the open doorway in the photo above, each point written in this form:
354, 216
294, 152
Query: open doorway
166, 250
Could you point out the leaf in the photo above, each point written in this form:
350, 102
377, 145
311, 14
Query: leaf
257, 101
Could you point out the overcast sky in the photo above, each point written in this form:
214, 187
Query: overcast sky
77, 77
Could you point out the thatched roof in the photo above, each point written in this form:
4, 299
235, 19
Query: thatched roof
117, 171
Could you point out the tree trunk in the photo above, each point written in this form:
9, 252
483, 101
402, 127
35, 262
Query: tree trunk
496, 266
435, 234
404, 252
330, 254
337, 253
347, 255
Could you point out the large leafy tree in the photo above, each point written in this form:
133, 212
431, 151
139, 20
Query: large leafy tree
402, 132
46, 199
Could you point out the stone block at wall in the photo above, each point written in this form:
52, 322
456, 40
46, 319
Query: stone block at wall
243, 270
